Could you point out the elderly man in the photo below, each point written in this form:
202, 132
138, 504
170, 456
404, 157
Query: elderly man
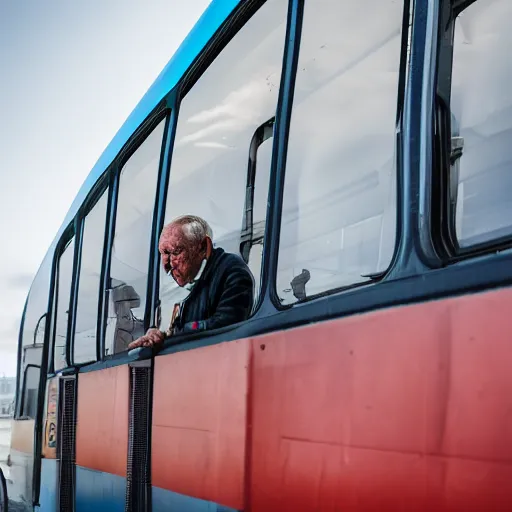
220, 284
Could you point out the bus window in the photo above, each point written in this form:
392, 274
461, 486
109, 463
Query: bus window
63, 294
218, 118
339, 206
481, 104
30, 389
89, 286
33, 325
126, 294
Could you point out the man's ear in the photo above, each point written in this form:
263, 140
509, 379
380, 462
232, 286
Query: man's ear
209, 246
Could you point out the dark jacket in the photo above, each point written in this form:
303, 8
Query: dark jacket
222, 296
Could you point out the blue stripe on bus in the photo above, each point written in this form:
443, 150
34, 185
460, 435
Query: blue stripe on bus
168, 501
97, 491
48, 494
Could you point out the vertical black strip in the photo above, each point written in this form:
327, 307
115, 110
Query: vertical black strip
262, 133
153, 292
138, 473
429, 27
38, 424
106, 261
66, 443
404, 60
408, 260
73, 298
17, 411
279, 151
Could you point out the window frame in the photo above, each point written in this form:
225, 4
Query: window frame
444, 236
24, 392
261, 135
102, 186
19, 380
163, 113
225, 34
404, 234
63, 243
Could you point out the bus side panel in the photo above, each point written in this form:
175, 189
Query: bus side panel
98, 491
19, 480
199, 426
164, 501
49, 484
102, 439
402, 409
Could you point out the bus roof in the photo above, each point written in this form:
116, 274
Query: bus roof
213, 17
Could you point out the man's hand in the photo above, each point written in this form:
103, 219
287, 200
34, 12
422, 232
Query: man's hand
150, 339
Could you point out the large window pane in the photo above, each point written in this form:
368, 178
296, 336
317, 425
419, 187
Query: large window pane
89, 283
217, 122
63, 293
130, 251
482, 107
339, 211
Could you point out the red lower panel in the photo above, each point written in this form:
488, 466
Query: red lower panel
199, 422
406, 409
102, 420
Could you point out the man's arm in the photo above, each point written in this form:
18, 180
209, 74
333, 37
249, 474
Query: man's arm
235, 303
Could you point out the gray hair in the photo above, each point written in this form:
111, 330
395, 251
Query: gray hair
195, 228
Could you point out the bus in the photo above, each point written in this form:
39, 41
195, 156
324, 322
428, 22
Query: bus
357, 156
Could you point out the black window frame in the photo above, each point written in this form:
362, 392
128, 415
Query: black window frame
163, 113
66, 238
24, 391
247, 240
102, 186
443, 234
403, 262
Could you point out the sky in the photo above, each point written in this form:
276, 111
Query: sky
70, 74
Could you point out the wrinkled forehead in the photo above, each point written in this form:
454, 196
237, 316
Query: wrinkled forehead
173, 236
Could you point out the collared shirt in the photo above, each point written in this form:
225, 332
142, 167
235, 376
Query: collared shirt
190, 286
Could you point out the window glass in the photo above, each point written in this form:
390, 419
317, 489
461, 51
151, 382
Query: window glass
37, 305
31, 387
481, 104
89, 284
126, 294
63, 293
261, 186
217, 121
339, 210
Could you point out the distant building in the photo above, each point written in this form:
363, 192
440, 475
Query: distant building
7, 392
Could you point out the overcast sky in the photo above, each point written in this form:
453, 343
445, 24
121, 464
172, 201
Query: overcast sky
71, 73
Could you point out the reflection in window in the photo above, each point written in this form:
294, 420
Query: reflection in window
31, 386
481, 103
89, 282
126, 294
339, 210
261, 186
63, 293
37, 303
37, 306
217, 121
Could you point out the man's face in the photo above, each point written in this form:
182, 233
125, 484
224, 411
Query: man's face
179, 255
